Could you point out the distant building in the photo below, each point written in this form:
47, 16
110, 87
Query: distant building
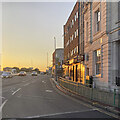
7, 69
58, 57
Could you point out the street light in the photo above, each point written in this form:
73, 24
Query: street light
55, 59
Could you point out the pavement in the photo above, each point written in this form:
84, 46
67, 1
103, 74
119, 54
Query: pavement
37, 97
113, 110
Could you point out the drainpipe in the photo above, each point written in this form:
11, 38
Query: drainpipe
79, 33
91, 22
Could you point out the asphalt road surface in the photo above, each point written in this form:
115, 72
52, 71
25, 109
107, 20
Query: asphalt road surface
37, 97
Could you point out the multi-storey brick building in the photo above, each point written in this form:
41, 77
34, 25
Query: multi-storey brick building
97, 40
72, 41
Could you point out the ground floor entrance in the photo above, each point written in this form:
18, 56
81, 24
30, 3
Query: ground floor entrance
76, 72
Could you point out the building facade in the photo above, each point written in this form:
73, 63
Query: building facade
74, 44
97, 44
101, 46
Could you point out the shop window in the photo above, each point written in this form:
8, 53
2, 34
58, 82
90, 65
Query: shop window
87, 71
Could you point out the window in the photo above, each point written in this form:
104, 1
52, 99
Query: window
98, 61
68, 29
71, 52
72, 37
77, 32
72, 22
87, 71
68, 55
67, 43
77, 14
77, 49
97, 21
75, 17
86, 32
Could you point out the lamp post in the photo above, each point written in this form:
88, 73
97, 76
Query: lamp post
55, 60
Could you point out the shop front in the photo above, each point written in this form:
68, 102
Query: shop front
76, 71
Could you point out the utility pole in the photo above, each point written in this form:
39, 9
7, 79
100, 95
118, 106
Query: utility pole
55, 59
47, 59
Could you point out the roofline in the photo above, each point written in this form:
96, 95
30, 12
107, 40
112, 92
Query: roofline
71, 13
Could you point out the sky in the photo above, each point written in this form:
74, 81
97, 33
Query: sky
28, 31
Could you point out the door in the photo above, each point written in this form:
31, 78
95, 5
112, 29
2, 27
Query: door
76, 73
73, 72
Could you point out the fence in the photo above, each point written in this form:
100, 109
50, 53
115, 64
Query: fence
109, 98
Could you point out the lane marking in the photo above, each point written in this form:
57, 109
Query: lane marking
62, 113
43, 81
16, 91
48, 90
3, 105
2, 97
26, 84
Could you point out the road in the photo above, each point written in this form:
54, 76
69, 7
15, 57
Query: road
36, 97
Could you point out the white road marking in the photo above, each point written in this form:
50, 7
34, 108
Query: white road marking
16, 91
43, 81
2, 97
45, 115
48, 90
3, 105
26, 84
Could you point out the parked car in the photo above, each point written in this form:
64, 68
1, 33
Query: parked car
34, 73
22, 73
42, 73
6, 75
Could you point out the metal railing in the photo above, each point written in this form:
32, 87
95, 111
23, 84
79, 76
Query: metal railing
109, 98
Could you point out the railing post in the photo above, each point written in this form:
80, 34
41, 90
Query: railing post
92, 93
114, 96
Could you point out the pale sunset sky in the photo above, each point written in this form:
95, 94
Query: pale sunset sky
28, 31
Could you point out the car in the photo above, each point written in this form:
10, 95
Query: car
6, 75
42, 73
34, 73
22, 73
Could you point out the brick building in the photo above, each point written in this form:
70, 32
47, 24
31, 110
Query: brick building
73, 45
